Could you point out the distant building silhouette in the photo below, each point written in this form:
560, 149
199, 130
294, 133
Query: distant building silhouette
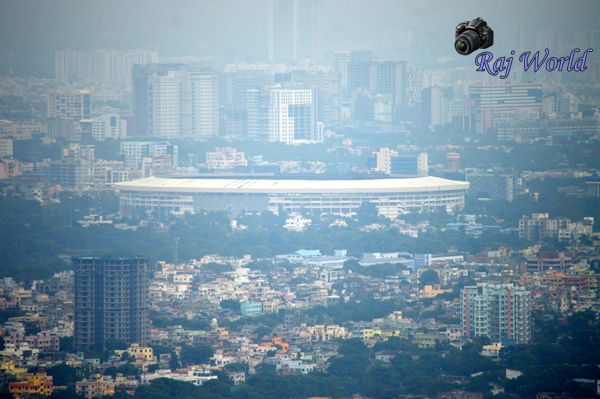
293, 30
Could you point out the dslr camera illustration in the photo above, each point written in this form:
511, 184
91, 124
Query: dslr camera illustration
473, 35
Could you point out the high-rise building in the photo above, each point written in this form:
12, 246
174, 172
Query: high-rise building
100, 66
109, 126
76, 167
241, 96
453, 159
501, 312
166, 117
6, 148
306, 29
496, 186
68, 173
498, 103
173, 101
134, 152
257, 108
409, 165
414, 85
391, 78
291, 115
434, 106
401, 164
541, 226
341, 60
324, 84
111, 302
75, 105
593, 185
293, 30
143, 93
204, 103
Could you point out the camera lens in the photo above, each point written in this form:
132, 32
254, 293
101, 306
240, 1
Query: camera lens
467, 42
461, 46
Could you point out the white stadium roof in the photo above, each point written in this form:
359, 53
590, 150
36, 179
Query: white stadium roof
280, 186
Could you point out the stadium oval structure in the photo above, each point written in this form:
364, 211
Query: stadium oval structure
391, 196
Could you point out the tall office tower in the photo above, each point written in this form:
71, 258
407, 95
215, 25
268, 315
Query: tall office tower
156, 93
111, 302
414, 85
403, 83
501, 312
291, 115
361, 76
391, 78
435, 106
281, 31
75, 105
204, 102
499, 103
293, 30
595, 70
341, 60
236, 89
167, 116
324, 84
172, 101
100, 66
306, 29
257, 108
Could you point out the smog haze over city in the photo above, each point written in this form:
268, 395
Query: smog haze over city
299, 199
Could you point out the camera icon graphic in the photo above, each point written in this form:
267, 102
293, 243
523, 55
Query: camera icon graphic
473, 35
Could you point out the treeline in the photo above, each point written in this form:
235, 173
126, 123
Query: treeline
37, 238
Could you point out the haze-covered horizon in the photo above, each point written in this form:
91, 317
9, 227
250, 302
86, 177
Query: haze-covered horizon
237, 30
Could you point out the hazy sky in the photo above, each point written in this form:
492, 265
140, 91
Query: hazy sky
30, 30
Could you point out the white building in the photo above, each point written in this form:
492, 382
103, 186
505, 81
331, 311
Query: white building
225, 158
392, 197
501, 312
296, 222
291, 116
204, 104
405, 164
109, 126
134, 152
100, 66
173, 101
6, 148
193, 376
166, 118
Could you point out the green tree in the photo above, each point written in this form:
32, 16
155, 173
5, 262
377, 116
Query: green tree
429, 277
197, 354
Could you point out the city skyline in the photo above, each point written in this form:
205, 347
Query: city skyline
299, 199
